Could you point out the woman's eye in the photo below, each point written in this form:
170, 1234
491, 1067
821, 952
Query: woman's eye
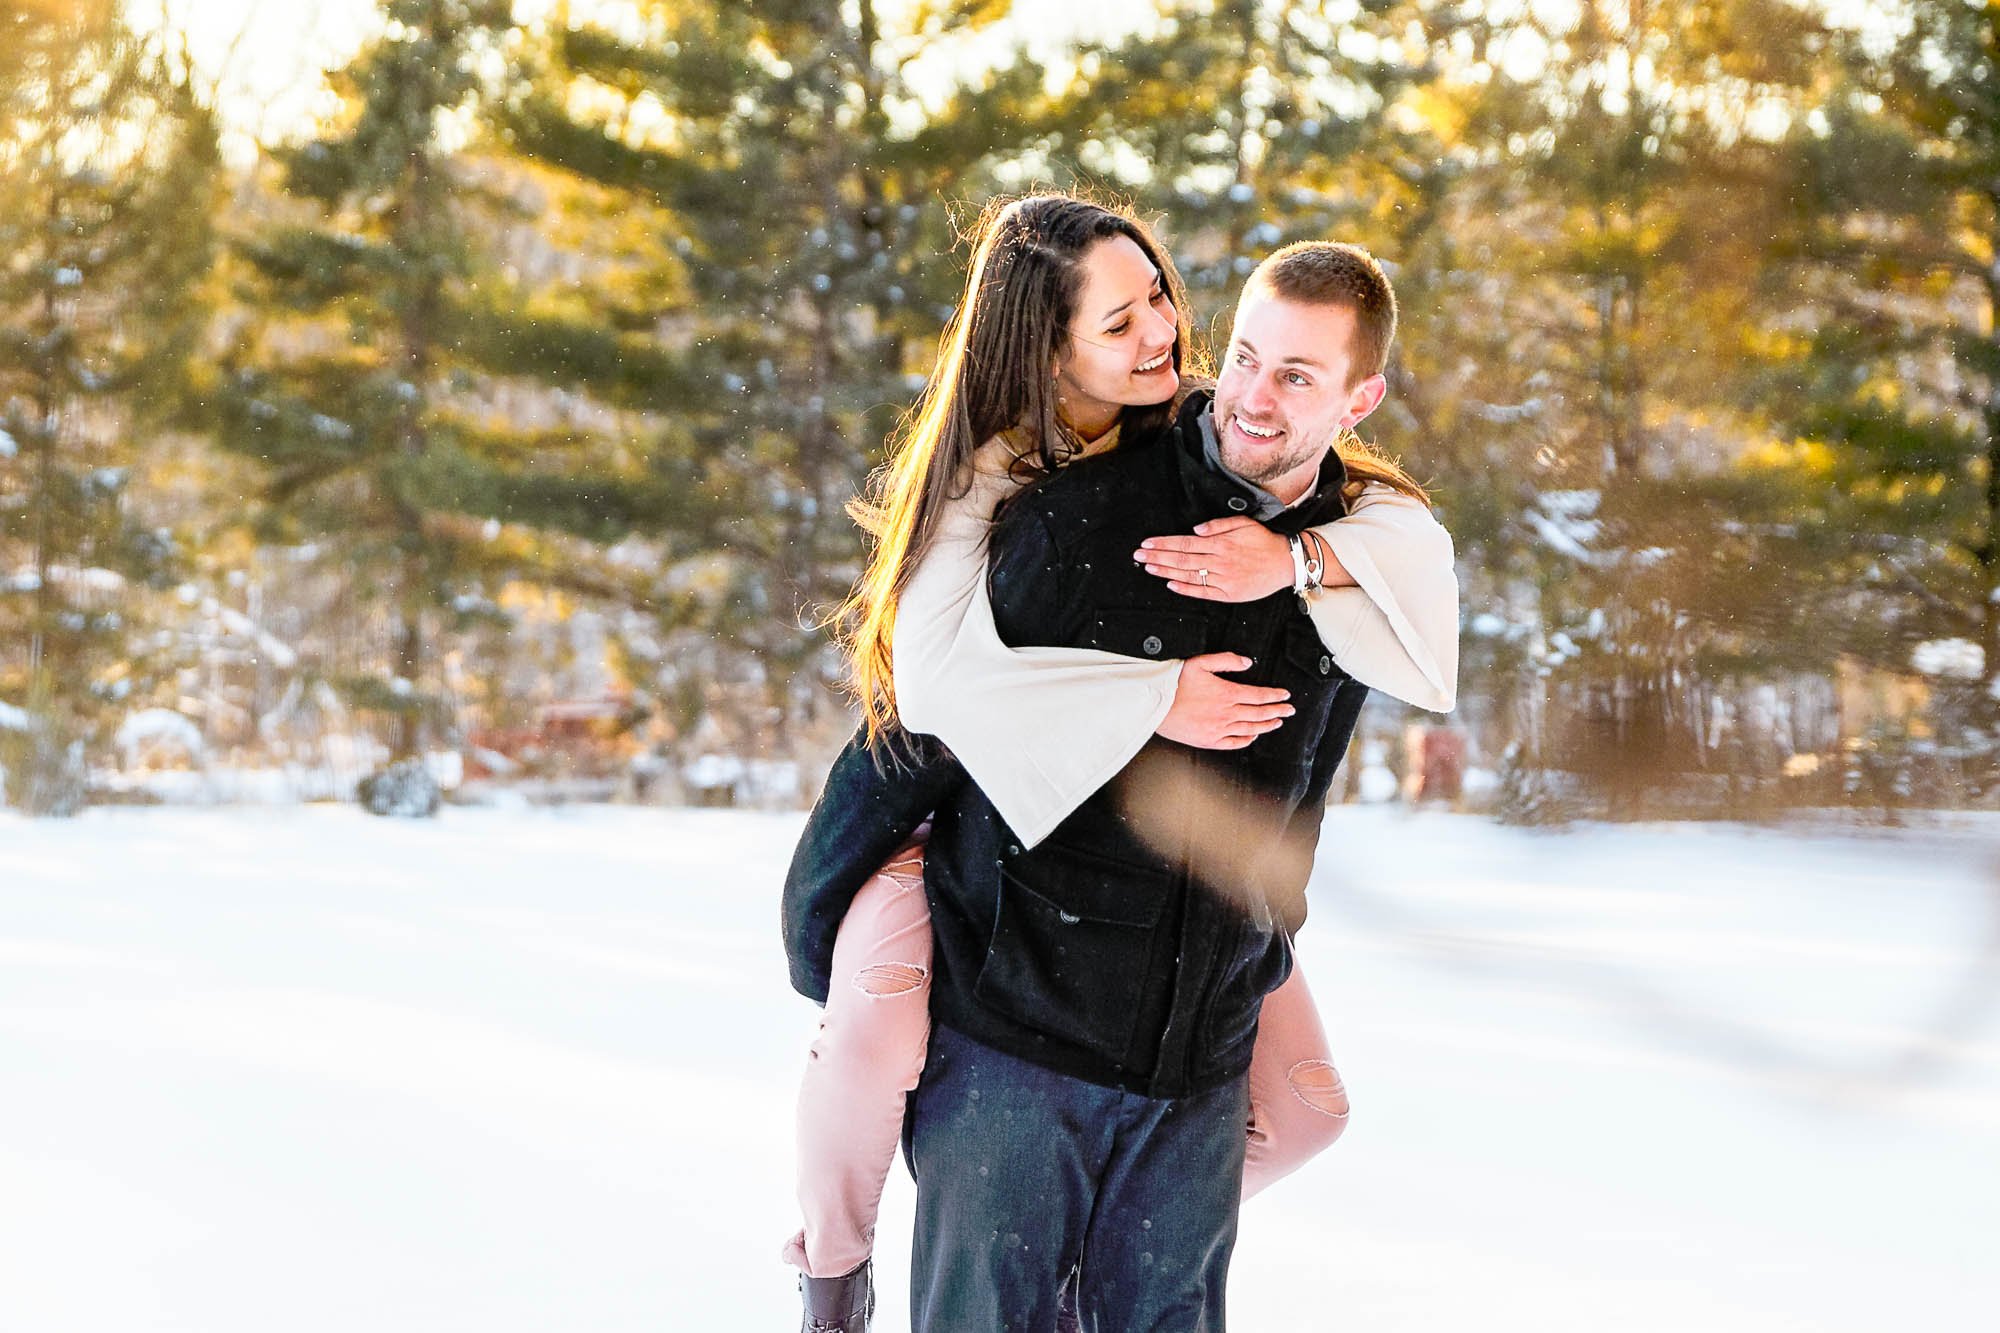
1119, 327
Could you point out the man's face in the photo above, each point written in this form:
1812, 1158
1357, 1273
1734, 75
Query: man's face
1283, 396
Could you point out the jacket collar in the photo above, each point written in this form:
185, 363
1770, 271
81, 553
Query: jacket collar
1214, 492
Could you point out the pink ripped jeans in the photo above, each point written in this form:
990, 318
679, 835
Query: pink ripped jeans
870, 1050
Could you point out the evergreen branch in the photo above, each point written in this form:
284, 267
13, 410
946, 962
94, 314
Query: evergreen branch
624, 370
310, 268
536, 126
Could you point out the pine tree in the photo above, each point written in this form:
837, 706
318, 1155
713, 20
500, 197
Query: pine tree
1617, 181
376, 389
1880, 356
107, 169
799, 189
1239, 121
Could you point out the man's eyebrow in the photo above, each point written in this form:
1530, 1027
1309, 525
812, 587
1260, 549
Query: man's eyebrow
1249, 347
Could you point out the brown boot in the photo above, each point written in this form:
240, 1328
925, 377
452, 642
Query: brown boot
843, 1304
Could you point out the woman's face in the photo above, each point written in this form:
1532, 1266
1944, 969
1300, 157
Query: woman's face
1120, 349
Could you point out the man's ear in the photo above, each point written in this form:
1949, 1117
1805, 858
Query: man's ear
1362, 399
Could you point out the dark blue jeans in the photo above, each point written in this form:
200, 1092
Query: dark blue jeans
1024, 1174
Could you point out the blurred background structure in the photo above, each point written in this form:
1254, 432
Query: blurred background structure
491, 404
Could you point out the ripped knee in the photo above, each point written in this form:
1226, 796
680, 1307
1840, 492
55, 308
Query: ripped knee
906, 870
1318, 1085
887, 981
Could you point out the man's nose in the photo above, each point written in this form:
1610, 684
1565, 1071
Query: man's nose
1258, 398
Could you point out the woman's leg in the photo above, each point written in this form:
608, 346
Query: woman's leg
1297, 1104
866, 1059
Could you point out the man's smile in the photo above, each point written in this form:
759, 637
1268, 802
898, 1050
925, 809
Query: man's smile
1262, 434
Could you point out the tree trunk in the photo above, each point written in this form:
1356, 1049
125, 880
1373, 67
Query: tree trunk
409, 667
412, 229
43, 436
1246, 170
1987, 553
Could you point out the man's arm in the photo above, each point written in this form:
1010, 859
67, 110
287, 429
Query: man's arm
867, 810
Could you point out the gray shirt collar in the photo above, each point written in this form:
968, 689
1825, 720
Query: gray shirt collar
1264, 506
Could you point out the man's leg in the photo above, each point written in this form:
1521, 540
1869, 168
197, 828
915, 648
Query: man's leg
1156, 1256
1007, 1156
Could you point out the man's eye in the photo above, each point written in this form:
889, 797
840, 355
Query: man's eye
1240, 358
1298, 379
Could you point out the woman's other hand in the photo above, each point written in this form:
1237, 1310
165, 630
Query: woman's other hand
1211, 713
1232, 559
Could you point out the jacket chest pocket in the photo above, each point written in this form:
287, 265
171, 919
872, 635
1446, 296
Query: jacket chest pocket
1160, 635
1073, 942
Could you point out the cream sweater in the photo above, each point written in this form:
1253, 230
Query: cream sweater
1040, 729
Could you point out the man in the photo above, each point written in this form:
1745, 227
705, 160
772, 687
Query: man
1095, 998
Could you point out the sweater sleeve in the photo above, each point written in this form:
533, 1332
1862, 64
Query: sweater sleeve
1038, 728
1397, 630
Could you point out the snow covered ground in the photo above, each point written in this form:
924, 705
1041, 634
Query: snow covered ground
285, 1071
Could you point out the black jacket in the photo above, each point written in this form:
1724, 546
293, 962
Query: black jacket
871, 804
1127, 963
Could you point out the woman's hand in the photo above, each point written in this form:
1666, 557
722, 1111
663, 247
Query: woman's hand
1232, 559
1211, 713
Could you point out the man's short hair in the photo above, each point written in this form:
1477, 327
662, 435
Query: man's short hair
1335, 273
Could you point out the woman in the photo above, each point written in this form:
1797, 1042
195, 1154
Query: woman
1068, 339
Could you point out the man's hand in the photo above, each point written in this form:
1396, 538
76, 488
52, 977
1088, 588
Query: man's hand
1232, 559
1211, 713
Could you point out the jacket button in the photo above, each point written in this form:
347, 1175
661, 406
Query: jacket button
1152, 645
1013, 849
1326, 666
1238, 503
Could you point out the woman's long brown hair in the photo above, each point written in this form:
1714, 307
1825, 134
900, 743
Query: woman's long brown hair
993, 373
1365, 463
